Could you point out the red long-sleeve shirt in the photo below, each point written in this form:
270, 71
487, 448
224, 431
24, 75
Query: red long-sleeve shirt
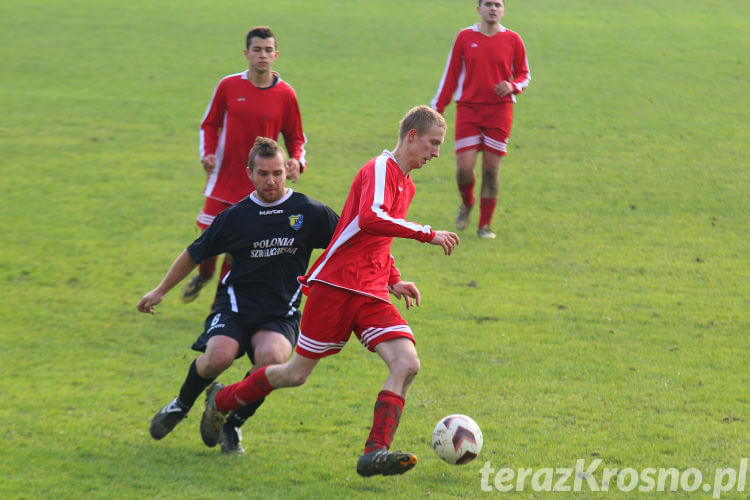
477, 62
359, 255
236, 115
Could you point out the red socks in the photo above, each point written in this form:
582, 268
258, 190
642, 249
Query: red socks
387, 414
388, 409
486, 210
467, 193
235, 396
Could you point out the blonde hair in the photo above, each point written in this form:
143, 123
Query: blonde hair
421, 119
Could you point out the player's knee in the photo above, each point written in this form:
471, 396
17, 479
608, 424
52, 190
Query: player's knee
217, 362
465, 172
414, 366
271, 356
407, 366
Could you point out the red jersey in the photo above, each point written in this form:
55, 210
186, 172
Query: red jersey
359, 256
237, 114
477, 62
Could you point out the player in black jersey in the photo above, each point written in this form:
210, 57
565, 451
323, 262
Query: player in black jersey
270, 235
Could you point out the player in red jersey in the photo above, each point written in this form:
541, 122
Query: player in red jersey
486, 67
348, 288
244, 106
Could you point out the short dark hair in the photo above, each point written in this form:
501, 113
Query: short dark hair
259, 32
265, 148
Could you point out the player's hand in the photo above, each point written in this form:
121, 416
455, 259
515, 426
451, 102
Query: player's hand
408, 291
148, 301
292, 169
504, 88
209, 163
447, 240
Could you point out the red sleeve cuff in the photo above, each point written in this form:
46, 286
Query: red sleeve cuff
428, 237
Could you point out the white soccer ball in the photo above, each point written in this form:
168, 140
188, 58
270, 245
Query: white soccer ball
457, 439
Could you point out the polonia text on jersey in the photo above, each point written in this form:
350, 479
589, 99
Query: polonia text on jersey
273, 242
273, 246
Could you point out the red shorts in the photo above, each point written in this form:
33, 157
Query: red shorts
211, 209
483, 127
331, 315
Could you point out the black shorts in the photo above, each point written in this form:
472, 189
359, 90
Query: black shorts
242, 330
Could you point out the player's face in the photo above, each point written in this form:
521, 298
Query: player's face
425, 147
491, 11
261, 54
269, 176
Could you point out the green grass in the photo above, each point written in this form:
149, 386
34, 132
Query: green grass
608, 320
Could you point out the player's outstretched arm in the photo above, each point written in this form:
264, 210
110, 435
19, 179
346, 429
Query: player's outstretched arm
445, 239
181, 267
408, 291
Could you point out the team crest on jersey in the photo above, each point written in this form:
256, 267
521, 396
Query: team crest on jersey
296, 221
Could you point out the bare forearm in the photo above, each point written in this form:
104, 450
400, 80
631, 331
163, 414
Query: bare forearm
180, 268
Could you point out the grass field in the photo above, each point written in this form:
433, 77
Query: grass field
608, 321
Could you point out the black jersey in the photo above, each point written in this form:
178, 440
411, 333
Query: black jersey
270, 245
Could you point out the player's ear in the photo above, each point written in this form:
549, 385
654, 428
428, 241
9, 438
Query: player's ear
412, 134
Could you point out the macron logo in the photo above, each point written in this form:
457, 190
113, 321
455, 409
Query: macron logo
270, 212
474, 45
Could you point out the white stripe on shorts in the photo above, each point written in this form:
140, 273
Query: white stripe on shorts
316, 347
496, 145
465, 142
373, 333
205, 219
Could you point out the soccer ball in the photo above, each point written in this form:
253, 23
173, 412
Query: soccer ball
457, 439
